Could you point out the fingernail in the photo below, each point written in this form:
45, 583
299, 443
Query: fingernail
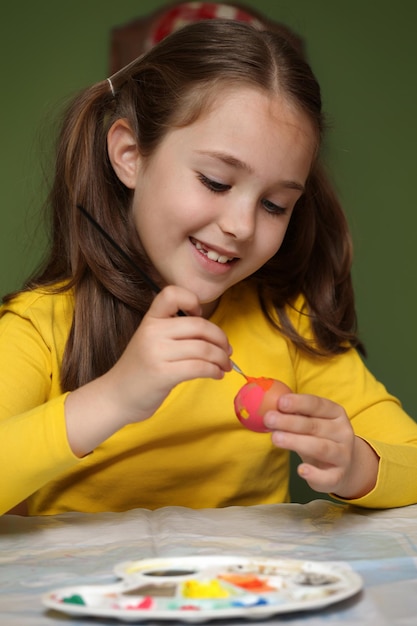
302, 471
278, 438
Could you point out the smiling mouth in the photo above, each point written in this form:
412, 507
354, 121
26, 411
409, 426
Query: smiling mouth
212, 254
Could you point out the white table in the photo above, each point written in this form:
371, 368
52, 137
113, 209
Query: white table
41, 553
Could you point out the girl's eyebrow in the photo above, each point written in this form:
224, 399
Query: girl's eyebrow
229, 159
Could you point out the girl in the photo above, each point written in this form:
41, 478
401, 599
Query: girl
201, 159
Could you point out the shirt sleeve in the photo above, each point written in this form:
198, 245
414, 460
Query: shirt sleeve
33, 440
376, 416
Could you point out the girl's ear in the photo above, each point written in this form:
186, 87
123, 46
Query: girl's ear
123, 152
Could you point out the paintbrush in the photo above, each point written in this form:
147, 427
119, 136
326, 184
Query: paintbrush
152, 284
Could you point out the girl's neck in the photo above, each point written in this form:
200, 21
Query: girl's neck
208, 308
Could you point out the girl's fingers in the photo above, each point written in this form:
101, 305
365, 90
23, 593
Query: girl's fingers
317, 450
309, 405
322, 480
166, 306
173, 299
319, 431
311, 416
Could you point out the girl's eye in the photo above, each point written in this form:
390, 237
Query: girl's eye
272, 208
213, 185
216, 187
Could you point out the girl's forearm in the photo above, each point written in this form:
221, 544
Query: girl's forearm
93, 415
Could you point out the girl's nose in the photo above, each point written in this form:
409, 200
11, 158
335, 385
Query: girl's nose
238, 220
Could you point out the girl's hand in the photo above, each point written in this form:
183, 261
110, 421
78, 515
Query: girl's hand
319, 431
164, 351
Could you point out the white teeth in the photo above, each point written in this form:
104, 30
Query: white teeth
215, 257
212, 255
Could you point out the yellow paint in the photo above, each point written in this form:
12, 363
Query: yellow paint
210, 589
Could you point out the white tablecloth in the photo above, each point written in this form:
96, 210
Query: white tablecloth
41, 553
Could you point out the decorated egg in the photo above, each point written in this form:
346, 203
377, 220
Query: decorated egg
255, 398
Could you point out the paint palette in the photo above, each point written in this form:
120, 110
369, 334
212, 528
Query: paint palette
198, 589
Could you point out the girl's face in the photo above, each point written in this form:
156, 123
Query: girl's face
213, 202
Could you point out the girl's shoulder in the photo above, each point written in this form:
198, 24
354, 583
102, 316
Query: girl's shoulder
42, 302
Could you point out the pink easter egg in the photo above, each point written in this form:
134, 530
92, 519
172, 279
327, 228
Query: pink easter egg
255, 398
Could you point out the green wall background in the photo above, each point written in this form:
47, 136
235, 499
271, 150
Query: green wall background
364, 53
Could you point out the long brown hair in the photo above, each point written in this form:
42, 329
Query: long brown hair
167, 87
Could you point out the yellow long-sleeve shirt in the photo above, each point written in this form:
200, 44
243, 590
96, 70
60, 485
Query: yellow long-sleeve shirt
193, 452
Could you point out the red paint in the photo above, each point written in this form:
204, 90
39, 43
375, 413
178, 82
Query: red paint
255, 398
